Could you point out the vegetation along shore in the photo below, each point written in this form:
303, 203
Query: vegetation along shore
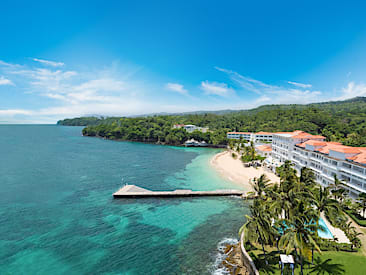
343, 121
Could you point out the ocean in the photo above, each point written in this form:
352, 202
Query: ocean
58, 216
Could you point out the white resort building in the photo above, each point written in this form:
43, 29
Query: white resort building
190, 128
259, 137
264, 150
326, 159
239, 135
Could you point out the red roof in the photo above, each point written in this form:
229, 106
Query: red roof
263, 133
359, 153
264, 148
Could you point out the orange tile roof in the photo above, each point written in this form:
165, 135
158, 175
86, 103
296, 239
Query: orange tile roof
346, 149
264, 148
359, 152
301, 135
263, 133
315, 142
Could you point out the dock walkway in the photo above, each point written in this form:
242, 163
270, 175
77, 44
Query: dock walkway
133, 191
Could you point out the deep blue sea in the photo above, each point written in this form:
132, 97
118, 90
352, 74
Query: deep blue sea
58, 216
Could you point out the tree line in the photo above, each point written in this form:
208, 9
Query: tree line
343, 121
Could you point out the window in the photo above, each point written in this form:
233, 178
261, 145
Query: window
358, 169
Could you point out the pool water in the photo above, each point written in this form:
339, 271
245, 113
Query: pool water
324, 234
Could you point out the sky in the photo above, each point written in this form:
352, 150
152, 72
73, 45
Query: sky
64, 59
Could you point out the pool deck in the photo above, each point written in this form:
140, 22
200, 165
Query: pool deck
336, 232
133, 191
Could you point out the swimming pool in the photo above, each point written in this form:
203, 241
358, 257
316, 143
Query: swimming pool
324, 234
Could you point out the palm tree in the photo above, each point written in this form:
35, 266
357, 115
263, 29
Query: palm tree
307, 177
336, 186
299, 236
355, 241
362, 201
260, 185
258, 227
325, 203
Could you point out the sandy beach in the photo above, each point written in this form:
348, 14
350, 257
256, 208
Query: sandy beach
234, 170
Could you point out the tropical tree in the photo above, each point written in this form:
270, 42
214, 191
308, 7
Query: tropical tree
258, 228
260, 185
300, 233
362, 202
307, 177
325, 203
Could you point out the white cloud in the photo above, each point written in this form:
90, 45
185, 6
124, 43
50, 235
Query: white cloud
274, 94
352, 90
300, 85
5, 81
102, 84
49, 63
13, 112
215, 88
176, 87
263, 99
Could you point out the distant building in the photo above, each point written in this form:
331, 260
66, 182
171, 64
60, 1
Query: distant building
262, 137
190, 128
264, 150
178, 126
255, 137
239, 135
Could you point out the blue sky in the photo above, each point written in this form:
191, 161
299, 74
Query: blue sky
70, 59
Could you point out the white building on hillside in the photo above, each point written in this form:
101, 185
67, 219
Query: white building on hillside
264, 150
190, 128
262, 137
239, 135
255, 137
326, 159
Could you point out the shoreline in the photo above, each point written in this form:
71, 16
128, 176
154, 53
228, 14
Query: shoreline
234, 170
156, 143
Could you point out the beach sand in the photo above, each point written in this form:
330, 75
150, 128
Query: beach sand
234, 170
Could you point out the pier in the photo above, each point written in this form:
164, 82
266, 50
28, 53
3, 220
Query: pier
133, 191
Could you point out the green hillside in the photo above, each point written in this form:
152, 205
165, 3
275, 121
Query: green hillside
343, 121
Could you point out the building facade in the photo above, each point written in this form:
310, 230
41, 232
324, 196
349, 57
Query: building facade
263, 137
326, 159
190, 128
259, 137
239, 135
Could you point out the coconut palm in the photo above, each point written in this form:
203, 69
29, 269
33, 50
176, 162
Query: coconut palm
307, 177
260, 185
325, 203
258, 227
299, 235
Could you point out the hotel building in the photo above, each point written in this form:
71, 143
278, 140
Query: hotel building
239, 135
255, 137
326, 159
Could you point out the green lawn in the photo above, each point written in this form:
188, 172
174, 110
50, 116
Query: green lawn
332, 262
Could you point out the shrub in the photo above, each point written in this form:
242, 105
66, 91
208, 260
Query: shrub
356, 217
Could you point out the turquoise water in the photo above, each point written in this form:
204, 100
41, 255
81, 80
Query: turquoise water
324, 234
57, 214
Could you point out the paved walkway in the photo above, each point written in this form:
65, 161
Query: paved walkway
336, 232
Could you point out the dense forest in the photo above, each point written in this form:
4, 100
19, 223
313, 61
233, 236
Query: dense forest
343, 121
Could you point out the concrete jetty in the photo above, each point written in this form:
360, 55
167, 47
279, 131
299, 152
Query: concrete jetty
133, 191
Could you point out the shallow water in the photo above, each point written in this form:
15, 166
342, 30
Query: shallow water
57, 214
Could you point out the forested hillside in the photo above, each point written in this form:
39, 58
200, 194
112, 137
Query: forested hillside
343, 121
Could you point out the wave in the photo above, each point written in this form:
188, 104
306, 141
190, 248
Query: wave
217, 267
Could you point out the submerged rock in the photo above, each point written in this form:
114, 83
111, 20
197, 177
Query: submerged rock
233, 261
